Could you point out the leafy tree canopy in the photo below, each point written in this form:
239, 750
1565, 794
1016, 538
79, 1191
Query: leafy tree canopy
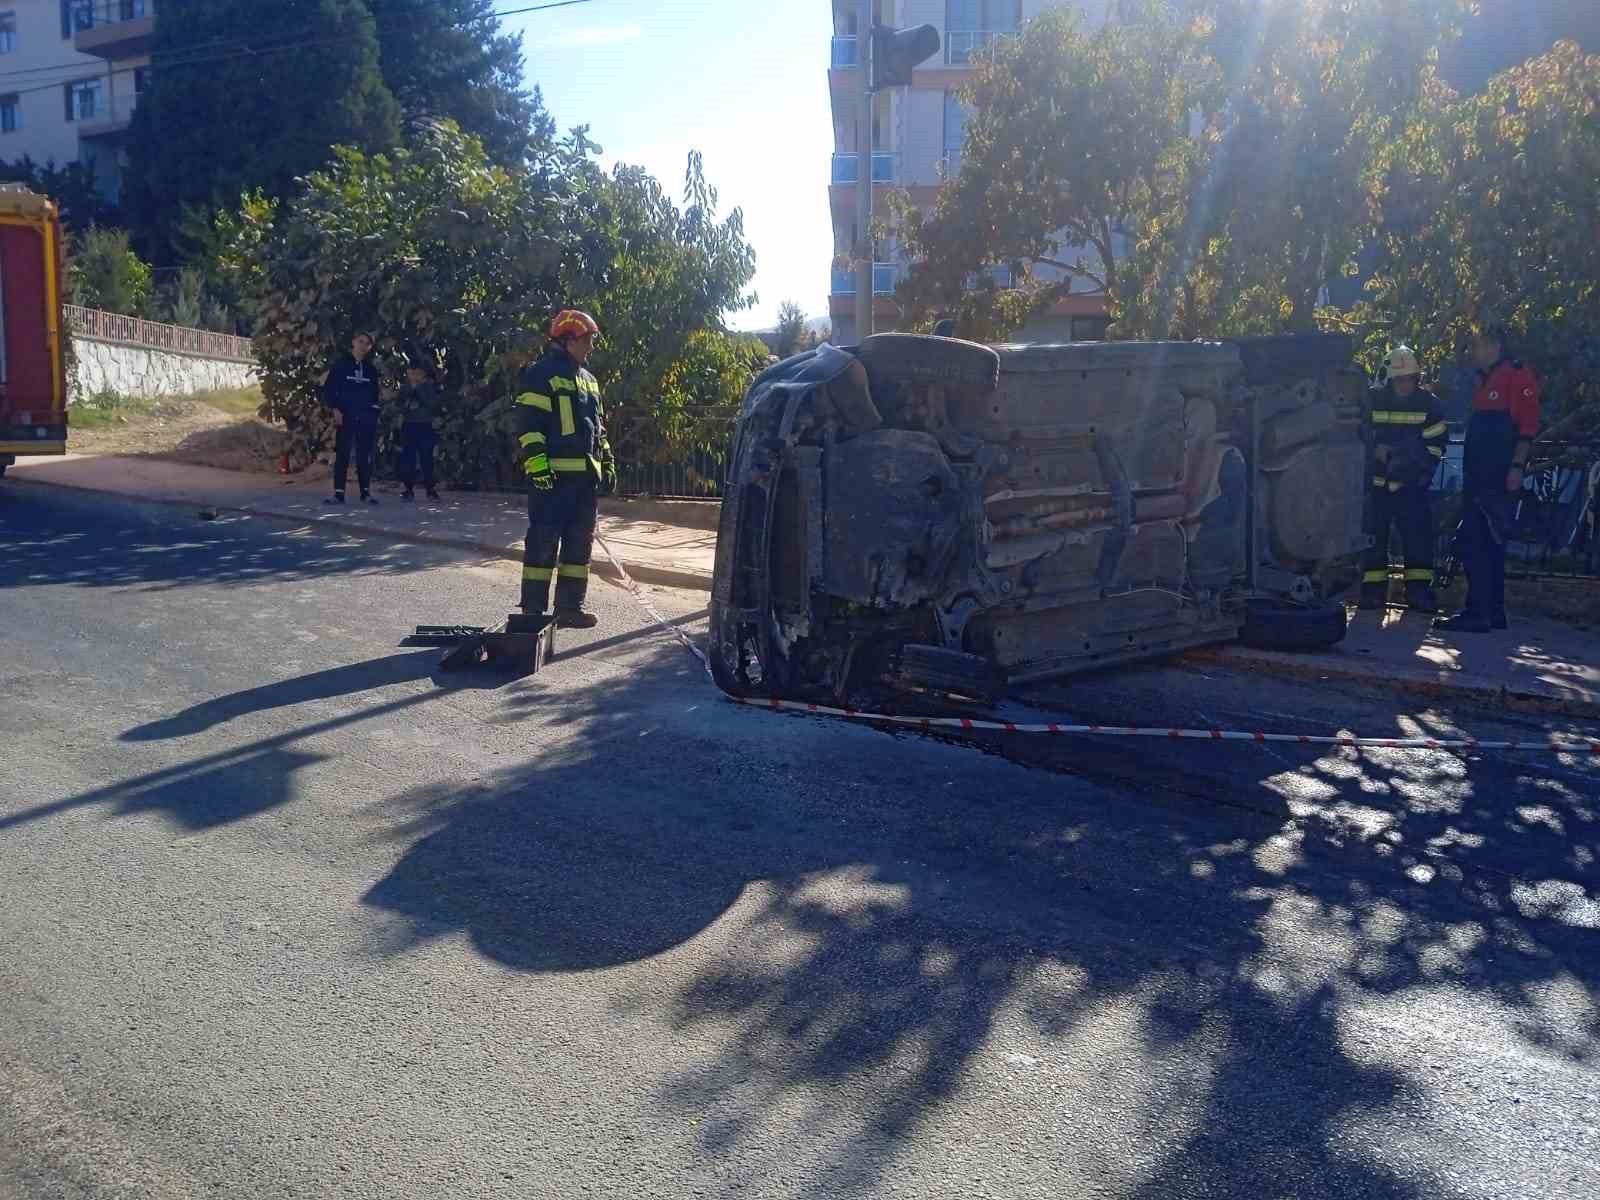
240, 103
442, 253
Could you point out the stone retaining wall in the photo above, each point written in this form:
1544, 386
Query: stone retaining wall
141, 372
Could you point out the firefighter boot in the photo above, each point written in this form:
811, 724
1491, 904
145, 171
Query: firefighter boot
1421, 598
576, 618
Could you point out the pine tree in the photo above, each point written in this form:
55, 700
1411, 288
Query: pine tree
449, 59
248, 96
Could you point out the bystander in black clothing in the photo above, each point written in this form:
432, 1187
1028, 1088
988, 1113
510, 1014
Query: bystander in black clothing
352, 390
419, 405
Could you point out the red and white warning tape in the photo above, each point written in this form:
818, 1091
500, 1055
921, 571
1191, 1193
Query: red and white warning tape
972, 725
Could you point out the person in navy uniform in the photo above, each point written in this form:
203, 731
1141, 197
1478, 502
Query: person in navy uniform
351, 388
567, 462
1505, 418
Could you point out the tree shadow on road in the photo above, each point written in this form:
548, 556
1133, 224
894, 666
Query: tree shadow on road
1204, 987
92, 541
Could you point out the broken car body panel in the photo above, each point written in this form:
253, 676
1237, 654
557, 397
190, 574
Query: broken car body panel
919, 508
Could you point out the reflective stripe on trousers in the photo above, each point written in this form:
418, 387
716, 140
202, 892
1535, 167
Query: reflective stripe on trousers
559, 543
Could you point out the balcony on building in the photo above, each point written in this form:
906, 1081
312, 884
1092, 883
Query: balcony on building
884, 278
968, 47
884, 167
108, 118
113, 29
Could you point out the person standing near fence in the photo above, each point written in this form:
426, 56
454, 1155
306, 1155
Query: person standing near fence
419, 404
1505, 418
350, 387
567, 462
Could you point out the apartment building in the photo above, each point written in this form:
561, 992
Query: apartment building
916, 143
71, 72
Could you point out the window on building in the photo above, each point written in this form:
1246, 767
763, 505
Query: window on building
971, 25
82, 99
76, 15
141, 80
955, 131
10, 113
8, 33
130, 10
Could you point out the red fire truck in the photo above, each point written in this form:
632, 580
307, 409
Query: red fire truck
33, 378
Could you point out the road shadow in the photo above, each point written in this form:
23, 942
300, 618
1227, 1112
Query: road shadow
1206, 977
351, 679
55, 537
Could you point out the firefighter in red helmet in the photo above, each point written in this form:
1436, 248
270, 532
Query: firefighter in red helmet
568, 464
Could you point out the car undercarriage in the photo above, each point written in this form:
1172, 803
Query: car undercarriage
931, 515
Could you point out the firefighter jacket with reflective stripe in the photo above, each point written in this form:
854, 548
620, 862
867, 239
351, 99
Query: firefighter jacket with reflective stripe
1409, 434
562, 425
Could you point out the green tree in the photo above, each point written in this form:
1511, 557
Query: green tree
1449, 257
441, 252
449, 59
667, 275
72, 187
791, 332
1314, 91
1080, 165
237, 103
1074, 134
103, 272
433, 248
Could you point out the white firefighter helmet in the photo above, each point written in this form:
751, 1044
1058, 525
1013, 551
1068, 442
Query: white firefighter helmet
1402, 360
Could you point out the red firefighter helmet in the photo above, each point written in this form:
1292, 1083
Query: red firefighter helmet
570, 322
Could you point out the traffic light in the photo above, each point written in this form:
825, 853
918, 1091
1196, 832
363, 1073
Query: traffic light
894, 53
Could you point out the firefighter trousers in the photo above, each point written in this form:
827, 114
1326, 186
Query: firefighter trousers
1408, 511
560, 540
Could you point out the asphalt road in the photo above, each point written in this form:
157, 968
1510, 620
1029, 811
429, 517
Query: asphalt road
284, 914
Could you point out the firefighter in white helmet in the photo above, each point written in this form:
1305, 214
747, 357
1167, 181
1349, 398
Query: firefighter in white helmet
1409, 437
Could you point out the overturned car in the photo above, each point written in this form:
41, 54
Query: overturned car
931, 514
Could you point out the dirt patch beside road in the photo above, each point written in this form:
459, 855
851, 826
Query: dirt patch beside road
211, 430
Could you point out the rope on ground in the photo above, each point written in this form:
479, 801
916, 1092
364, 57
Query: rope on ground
972, 725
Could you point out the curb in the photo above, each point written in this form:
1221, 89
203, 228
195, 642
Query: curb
1315, 670
642, 572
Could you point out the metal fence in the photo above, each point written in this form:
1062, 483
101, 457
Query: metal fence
136, 331
1555, 527
697, 477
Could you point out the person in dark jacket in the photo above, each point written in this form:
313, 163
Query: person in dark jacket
419, 404
1409, 436
1505, 418
351, 388
567, 463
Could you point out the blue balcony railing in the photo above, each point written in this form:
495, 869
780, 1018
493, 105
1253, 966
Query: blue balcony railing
883, 167
844, 54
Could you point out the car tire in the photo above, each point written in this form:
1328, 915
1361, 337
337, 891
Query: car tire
1290, 356
1281, 625
916, 358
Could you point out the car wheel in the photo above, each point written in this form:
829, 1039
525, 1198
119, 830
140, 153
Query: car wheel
912, 357
1281, 625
